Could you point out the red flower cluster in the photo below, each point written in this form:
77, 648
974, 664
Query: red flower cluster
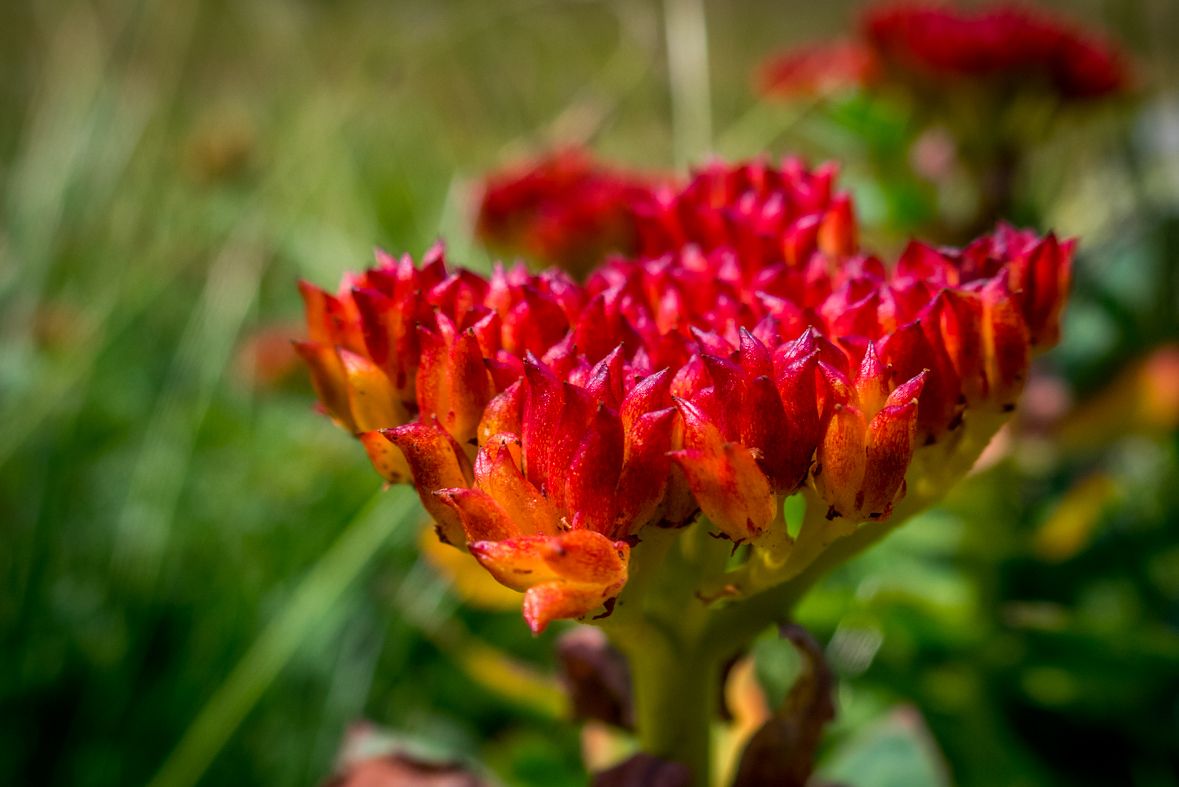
562, 210
749, 350
996, 42
818, 69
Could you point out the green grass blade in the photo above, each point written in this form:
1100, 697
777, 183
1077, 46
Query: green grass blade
388, 513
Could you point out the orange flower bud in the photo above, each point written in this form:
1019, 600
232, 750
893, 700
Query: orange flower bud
436, 463
731, 489
565, 576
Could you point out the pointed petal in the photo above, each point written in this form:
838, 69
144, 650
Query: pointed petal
842, 458
765, 429
838, 233
798, 391
755, 359
516, 562
329, 380
1005, 343
315, 308
483, 519
645, 469
649, 394
1043, 299
387, 458
891, 436
544, 403
961, 326
503, 413
378, 318
432, 459
593, 473
551, 601
431, 379
908, 391
909, 353
605, 380
371, 397
724, 477
497, 474
872, 383
469, 386
801, 238
587, 557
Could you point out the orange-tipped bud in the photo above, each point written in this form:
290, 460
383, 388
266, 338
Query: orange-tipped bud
891, 436
730, 488
566, 576
842, 458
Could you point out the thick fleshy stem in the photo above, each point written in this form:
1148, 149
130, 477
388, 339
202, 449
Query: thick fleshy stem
677, 638
659, 624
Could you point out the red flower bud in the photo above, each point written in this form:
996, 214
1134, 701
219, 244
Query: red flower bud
731, 489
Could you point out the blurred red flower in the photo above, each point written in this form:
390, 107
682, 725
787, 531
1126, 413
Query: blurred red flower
818, 69
564, 209
996, 41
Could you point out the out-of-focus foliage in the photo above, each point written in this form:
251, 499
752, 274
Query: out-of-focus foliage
193, 570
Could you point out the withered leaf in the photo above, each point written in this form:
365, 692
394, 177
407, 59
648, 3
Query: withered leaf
645, 770
596, 676
782, 752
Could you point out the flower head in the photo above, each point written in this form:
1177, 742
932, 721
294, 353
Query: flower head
818, 69
1003, 42
749, 352
564, 210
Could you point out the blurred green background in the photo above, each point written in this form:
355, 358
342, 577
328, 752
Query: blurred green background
202, 582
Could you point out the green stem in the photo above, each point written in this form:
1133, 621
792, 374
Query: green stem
675, 693
658, 625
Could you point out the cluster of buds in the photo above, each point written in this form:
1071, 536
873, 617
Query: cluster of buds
564, 209
749, 351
